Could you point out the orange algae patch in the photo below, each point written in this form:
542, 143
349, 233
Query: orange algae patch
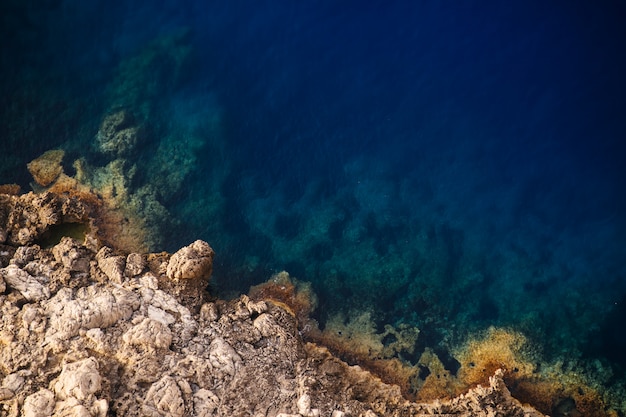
299, 299
497, 349
438, 384
550, 390
545, 386
295, 297
389, 370
10, 189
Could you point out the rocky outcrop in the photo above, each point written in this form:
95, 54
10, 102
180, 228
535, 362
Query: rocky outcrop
88, 331
27, 218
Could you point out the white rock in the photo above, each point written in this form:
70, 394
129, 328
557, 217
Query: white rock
304, 404
205, 403
112, 266
164, 399
74, 408
99, 408
135, 264
149, 281
71, 408
98, 338
158, 314
93, 307
79, 379
71, 255
149, 333
39, 404
223, 357
13, 381
27, 285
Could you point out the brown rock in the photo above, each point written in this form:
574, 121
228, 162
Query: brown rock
47, 167
191, 262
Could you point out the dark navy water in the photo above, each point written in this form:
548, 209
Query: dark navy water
446, 165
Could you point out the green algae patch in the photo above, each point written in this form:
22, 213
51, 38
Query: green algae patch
56, 232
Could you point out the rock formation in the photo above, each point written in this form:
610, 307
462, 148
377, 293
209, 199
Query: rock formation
118, 134
47, 167
88, 331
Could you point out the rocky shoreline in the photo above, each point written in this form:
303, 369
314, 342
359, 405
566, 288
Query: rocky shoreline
86, 330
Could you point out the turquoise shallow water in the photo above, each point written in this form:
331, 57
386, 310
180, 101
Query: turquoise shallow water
449, 167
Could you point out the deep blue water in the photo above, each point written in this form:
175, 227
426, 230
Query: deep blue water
448, 165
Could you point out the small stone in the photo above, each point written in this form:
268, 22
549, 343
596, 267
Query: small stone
78, 379
304, 404
164, 398
39, 404
73, 256
135, 264
27, 285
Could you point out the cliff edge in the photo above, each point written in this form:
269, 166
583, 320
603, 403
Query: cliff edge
86, 330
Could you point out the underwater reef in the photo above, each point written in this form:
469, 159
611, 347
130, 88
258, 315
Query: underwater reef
90, 328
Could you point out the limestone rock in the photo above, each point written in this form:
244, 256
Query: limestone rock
164, 398
26, 218
80, 380
112, 266
150, 334
39, 404
73, 256
47, 167
91, 307
205, 403
191, 262
135, 264
30, 287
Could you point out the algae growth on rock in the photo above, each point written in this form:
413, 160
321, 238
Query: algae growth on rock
87, 329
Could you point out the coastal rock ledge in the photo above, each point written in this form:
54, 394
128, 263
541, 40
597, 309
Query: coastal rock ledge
86, 330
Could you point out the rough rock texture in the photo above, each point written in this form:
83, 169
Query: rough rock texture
47, 167
118, 134
24, 219
85, 331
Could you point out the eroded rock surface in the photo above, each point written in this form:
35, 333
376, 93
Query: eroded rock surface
87, 331
118, 134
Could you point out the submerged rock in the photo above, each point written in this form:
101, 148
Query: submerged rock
47, 167
85, 330
118, 134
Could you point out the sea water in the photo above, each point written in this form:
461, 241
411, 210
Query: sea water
450, 166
